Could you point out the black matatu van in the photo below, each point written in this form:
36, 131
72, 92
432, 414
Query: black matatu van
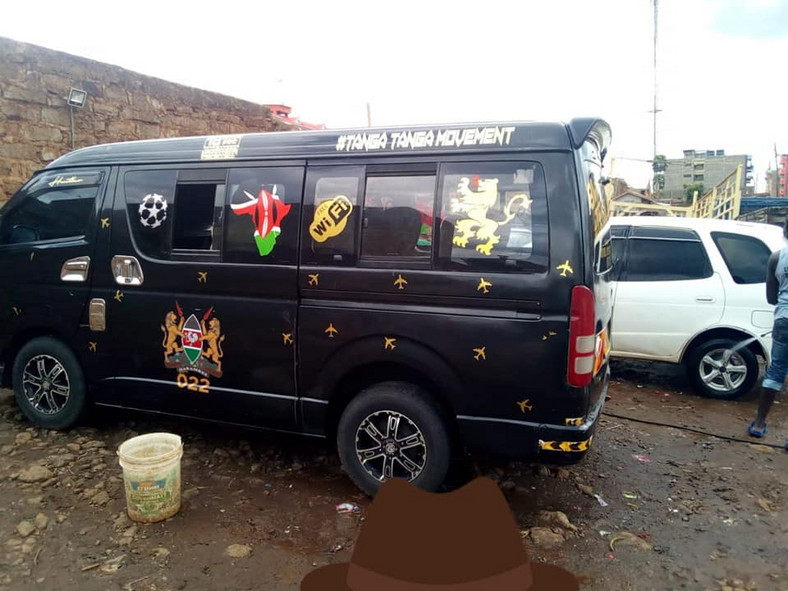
403, 290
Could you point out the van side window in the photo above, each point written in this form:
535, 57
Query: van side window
193, 218
150, 202
398, 217
745, 256
331, 217
176, 214
493, 217
262, 214
53, 207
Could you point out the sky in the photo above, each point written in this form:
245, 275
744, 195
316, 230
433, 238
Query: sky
722, 65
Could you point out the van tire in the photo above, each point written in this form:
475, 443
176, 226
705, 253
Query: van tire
419, 423
700, 366
49, 409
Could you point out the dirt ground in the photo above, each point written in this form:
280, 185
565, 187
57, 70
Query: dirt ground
681, 510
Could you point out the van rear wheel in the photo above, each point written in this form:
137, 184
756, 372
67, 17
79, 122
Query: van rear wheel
717, 369
391, 430
49, 385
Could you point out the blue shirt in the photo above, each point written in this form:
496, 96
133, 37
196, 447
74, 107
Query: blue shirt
781, 273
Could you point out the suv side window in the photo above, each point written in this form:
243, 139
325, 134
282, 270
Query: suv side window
746, 257
669, 255
493, 217
53, 206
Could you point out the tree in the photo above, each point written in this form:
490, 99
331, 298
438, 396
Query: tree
689, 191
659, 164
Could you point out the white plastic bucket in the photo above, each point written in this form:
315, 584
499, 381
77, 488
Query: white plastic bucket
152, 476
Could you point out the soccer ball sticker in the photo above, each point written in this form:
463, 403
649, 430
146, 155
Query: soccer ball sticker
153, 211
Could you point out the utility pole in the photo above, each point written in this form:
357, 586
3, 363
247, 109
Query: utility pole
369, 115
656, 17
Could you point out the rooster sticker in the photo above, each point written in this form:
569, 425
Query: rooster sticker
267, 212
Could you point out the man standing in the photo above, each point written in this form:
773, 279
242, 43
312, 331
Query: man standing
777, 295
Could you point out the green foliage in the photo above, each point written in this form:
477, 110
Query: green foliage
689, 191
660, 163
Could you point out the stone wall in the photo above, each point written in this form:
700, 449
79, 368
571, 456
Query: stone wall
35, 126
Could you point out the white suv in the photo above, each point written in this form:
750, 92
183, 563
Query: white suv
691, 291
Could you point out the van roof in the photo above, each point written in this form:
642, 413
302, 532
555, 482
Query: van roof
432, 139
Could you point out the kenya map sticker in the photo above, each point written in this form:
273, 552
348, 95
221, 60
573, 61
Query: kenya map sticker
192, 345
152, 210
267, 212
330, 218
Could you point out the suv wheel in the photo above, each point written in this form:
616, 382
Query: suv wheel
718, 370
391, 430
48, 384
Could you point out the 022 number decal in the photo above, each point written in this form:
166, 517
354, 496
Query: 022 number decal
193, 384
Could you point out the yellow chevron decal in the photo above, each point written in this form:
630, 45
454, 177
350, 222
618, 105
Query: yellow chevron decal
565, 445
574, 422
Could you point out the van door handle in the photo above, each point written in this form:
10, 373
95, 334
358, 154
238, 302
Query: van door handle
705, 299
75, 269
127, 270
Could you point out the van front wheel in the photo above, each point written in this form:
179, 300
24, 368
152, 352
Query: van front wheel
717, 369
48, 384
390, 430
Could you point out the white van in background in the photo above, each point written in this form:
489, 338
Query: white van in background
689, 290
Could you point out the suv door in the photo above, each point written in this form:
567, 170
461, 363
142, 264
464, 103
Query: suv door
47, 233
202, 297
666, 292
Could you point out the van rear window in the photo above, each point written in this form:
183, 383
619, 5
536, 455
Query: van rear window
493, 217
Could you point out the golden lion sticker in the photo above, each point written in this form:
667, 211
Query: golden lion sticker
475, 197
330, 218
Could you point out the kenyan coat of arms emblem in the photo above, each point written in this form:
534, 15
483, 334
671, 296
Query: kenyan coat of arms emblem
191, 344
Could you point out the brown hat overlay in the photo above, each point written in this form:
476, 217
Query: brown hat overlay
464, 540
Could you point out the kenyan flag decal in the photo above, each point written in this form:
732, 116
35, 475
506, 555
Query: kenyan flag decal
267, 212
192, 339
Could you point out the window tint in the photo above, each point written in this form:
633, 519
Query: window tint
150, 198
261, 219
331, 218
616, 231
618, 247
666, 260
746, 257
664, 232
493, 217
52, 207
398, 216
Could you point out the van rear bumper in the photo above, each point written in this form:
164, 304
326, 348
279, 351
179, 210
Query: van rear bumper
522, 440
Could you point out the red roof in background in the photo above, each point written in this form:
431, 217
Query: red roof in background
282, 112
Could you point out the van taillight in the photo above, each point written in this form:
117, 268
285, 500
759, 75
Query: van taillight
582, 337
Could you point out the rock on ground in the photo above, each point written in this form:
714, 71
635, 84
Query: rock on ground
36, 473
544, 537
238, 551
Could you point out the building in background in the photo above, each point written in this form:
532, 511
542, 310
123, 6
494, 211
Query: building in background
282, 113
704, 167
782, 175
